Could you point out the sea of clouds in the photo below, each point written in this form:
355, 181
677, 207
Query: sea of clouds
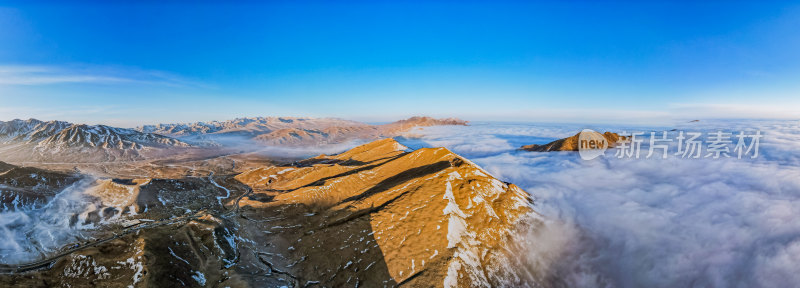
650, 222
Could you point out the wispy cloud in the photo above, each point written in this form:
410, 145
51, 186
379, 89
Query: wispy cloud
37, 75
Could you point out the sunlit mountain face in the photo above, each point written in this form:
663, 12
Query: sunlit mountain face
400, 143
445, 205
377, 214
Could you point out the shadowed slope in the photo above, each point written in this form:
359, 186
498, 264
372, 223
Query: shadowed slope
436, 218
377, 215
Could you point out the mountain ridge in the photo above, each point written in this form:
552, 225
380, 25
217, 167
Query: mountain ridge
379, 214
34, 139
435, 218
295, 130
244, 125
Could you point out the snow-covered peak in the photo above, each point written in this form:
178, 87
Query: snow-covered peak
102, 136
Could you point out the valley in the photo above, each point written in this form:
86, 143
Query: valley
370, 216
379, 214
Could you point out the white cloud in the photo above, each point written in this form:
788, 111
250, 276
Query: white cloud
653, 222
33, 75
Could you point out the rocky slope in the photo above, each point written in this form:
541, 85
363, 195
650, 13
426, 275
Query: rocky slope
30, 130
377, 215
568, 144
28, 187
58, 141
101, 136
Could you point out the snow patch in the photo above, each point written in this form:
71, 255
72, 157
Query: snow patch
199, 277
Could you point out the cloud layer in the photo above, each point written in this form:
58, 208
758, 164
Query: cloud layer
652, 222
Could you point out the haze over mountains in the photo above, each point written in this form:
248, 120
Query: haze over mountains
291, 130
248, 126
58, 141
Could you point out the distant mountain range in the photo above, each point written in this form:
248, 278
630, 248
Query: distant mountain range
291, 131
35, 140
60, 134
59, 141
251, 126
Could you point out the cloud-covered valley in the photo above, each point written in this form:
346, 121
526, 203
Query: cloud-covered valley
651, 222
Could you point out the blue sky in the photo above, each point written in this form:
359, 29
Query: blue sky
132, 64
